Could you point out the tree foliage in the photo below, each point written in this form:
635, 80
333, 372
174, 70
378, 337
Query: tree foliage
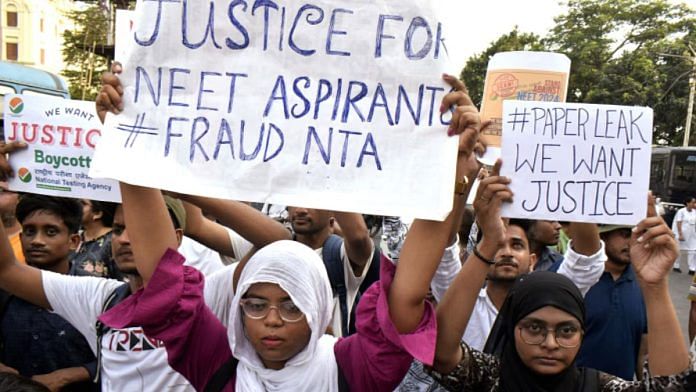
474, 74
616, 48
83, 67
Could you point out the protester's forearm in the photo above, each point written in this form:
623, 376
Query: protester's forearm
150, 228
74, 374
248, 222
421, 253
585, 238
667, 353
356, 236
454, 311
56, 380
209, 233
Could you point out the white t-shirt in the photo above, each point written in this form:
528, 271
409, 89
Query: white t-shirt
130, 360
200, 256
481, 322
353, 283
218, 293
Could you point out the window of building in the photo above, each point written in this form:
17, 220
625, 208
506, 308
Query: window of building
12, 51
42, 54
12, 19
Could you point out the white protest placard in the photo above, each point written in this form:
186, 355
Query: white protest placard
332, 105
577, 162
61, 135
122, 30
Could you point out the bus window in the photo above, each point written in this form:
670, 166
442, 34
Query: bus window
683, 170
27, 91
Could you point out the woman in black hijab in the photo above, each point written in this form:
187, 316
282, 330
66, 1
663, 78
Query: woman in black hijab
539, 329
532, 301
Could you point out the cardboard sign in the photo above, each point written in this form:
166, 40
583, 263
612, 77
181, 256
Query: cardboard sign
574, 162
61, 135
332, 105
521, 76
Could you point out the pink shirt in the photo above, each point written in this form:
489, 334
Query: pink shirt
171, 308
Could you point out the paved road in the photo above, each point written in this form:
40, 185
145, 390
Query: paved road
679, 288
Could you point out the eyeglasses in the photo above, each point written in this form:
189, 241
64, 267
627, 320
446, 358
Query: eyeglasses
567, 336
258, 309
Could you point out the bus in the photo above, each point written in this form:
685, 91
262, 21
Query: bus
19, 79
673, 177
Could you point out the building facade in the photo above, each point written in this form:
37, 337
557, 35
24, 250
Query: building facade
32, 32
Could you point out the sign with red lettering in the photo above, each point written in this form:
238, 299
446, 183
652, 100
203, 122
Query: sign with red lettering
61, 135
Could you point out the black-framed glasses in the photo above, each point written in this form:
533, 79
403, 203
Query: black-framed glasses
566, 336
257, 308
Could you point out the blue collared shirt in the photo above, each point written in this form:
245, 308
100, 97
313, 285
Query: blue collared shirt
615, 323
548, 260
36, 341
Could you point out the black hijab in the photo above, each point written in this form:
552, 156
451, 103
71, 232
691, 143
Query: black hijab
530, 293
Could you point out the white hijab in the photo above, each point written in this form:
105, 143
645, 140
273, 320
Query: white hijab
299, 271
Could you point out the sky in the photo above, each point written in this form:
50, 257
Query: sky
477, 23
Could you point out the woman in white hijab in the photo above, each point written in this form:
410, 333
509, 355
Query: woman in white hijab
276, 339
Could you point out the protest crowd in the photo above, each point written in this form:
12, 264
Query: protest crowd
170, 291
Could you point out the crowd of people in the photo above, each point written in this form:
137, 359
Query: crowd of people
180, 292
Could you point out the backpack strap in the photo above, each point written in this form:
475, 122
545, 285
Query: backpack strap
371, 277
117, 295
331, 254
222, 376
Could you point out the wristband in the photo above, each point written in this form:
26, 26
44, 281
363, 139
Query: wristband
480, 257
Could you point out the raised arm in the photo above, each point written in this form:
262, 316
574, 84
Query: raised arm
653, 251
18, 279
356, 238
584, 259
426, 240
150, 228
254, 226
455, 309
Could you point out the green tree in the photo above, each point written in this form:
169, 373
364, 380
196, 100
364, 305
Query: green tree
474, 73
615, 48
83, 66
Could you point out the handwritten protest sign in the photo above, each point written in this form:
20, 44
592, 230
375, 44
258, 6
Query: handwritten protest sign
574, 162
61, 135
333, 104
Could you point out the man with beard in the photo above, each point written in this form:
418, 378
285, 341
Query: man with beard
515, 258
616, 320
351, 256
584, 263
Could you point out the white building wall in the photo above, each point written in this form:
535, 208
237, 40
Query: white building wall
39, 31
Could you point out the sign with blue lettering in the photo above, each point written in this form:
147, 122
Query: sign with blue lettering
60, 135
576, 162
329, 104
